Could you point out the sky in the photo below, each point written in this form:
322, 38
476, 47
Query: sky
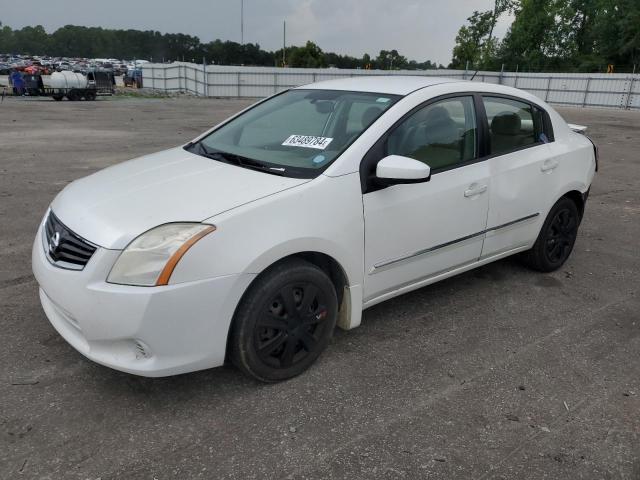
419, 29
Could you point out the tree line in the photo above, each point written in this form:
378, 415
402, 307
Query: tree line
553, 35
94, 42
545, 35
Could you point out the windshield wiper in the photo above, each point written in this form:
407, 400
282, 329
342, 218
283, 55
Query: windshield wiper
234, 159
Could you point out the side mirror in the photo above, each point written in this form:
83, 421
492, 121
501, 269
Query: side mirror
396, 169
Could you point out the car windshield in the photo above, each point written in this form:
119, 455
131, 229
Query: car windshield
298, 133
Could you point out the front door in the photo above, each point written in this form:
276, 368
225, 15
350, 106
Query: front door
413, 232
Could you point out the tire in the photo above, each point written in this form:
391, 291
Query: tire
73, 96
270, 344
90, 96
58, 98
556, 238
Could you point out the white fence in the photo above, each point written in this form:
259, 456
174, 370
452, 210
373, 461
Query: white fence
585, 90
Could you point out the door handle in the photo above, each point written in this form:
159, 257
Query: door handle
549, 166
475, 190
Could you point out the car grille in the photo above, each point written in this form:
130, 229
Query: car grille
64, 248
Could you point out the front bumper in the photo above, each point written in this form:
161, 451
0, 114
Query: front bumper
149, 331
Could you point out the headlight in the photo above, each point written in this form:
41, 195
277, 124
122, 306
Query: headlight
150, 259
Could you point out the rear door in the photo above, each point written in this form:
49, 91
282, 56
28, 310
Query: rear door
522, 173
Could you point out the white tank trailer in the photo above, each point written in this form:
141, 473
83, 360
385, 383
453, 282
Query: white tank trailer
67, 80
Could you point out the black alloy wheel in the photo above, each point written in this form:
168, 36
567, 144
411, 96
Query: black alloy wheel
284, 321
291, 326
561, 236
556, 238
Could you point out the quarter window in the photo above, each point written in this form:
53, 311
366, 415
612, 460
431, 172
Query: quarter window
512, 125
442, 134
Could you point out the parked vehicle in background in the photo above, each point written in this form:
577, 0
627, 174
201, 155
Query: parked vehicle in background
73, 85
119, 69
254, 240
32, 84
133, 78
46, 65
103, 81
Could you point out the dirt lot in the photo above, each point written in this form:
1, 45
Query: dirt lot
498, 373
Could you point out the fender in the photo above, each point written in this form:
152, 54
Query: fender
350, 313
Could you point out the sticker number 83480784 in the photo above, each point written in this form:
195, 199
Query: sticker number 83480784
307, 141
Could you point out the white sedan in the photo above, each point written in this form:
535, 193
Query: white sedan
252, 242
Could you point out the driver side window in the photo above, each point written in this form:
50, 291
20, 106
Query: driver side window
442, 134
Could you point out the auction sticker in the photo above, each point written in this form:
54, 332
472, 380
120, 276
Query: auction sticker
307, 141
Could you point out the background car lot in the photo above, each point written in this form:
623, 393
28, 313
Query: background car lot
497, 373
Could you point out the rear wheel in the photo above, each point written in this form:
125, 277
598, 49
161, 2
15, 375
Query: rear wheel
73, 96
556, 239
57, 98
91, 96
284, 322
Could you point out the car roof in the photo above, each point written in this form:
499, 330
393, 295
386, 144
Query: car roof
389, 84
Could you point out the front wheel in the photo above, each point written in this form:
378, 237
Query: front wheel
284, 321
556, 239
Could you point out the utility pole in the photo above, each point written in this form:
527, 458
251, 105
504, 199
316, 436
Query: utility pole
241, 22
284, 43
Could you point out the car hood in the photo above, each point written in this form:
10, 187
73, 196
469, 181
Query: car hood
113, 206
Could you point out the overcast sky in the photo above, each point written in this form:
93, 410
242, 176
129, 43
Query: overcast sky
419, 29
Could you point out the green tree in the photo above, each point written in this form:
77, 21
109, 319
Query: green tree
7, 43
31, 40
390, 60
309, 56
470, 46
490, 47
532, 40
95, 42
574, 35
475, 42
612, 35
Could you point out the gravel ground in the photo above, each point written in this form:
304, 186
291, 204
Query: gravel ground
497, 373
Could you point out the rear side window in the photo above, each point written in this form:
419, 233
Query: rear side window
512, 124
442, 134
